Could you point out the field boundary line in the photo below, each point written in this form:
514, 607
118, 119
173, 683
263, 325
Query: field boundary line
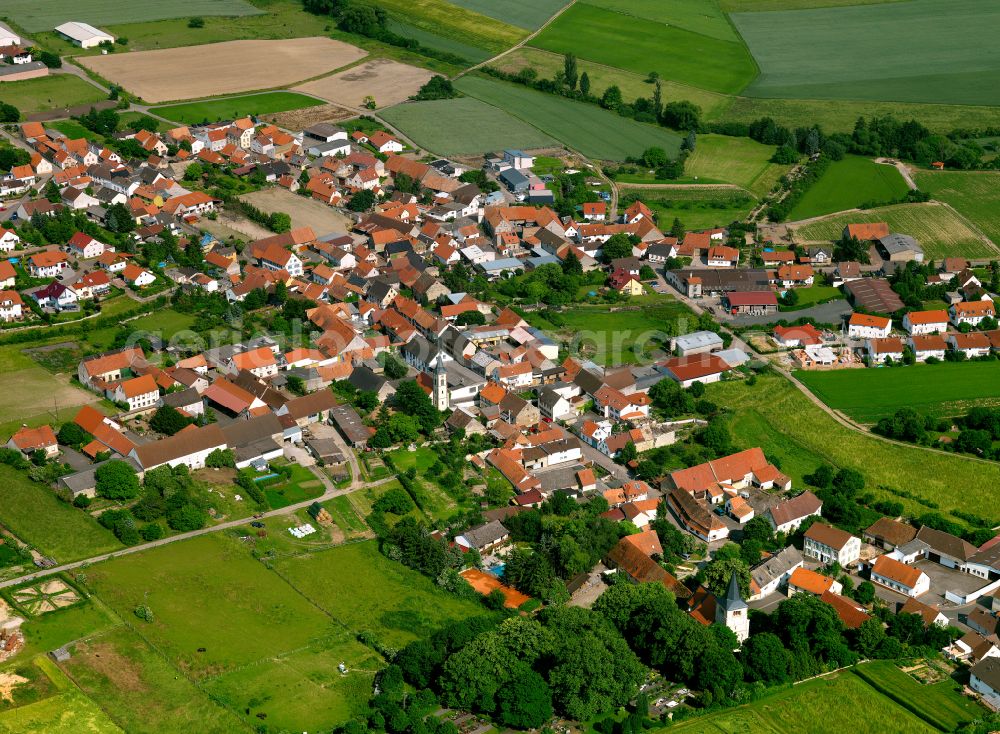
523, 42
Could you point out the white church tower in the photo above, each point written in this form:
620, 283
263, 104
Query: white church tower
441, 398
733, 611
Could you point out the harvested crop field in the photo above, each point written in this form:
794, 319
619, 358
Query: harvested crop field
222, 68
938, 229
301, 119
388, 82
304, 212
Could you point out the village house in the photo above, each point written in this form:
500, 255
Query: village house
972, 345
828, 545
805, 581
971, 312
786, 516
888, 534
880, 351
11, 306
720, 256
892, 574
137, 277
868, 326
47, 264
484, 538
926, 322
84, 246
928, 346
703, 368
29, 440
773, 572
137, 392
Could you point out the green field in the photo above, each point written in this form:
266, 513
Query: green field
32, 512
386, 599
191, 113
939, 704
842, 701
67, 712
445, 19
813, 295
697, 208
782, 414
945, 389
877, 52
939, 230
42, 16
750, 6
634, 44
474, 127
438, 42
612, 337
594, 132
849, 183
973, 194
49, 93
698, 16
141, 690
548, 65
722, 159
523, 13
164, 324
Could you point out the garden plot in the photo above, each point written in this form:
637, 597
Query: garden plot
222, 68
45, 597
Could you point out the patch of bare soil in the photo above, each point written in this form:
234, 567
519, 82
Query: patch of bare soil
301, 119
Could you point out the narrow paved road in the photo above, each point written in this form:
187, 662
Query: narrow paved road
330, 492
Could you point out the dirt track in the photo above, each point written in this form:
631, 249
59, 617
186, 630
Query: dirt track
215, 69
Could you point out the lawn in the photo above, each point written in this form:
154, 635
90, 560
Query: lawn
529, 14
849, 183
939, 230
164, 324
209, 593
945, 389
302, 485
814, 295
42, 16
939, 704
843, 700
73, 129
877, 52
974, 194
697, 208
192, 113
626, 42
386, 599
783, 414
49, 93
475, 127
581, 126
632, 85
445, 19
142, 690
611, 335
32, 512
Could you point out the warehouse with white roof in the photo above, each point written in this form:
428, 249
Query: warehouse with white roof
83, 35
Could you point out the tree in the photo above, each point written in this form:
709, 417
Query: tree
393, 368
785, 155
626, 454
681, 115
168, 420
117, 480
719, 572
153, 531
618, 245
9, 113
677, 229
196, 22
279, 222
759, 529
654, 157
361, 201
525, 702
411, 399
437, 87
70, 434
395, 501
187, 517
569, 71
585, 84
612, 98
472, 318
365, 20
765, 659
51, 60
221, 458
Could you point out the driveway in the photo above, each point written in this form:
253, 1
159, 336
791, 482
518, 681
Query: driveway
298, 454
